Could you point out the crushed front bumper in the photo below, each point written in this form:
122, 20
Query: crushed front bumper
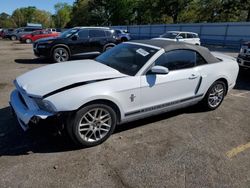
26, 110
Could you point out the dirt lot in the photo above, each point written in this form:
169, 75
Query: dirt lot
185, 148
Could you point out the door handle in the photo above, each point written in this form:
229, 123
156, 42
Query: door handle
193, 76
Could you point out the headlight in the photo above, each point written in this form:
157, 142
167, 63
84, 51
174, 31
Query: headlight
44, 105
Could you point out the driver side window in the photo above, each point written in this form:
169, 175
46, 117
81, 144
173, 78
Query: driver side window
177, 59
183, 35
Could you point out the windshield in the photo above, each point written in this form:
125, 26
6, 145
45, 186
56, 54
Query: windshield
127, 58
68, 33
169, 35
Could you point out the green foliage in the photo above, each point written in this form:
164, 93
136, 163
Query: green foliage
26, 15
63, 14
6, 21
126, 12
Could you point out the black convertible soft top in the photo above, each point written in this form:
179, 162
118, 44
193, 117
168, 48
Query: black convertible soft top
171, 45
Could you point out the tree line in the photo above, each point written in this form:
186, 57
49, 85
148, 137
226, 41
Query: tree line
127, 12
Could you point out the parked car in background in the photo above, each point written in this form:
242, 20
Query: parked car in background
6, 32
76, 41
20, 32
244, 56
39, 34
131, 81
53, 30
122, 35
181, 36
2, 33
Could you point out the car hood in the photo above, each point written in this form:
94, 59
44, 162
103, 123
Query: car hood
39, 82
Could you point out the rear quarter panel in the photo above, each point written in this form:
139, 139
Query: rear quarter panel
227, 68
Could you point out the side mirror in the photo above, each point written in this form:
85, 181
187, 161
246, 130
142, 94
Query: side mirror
159, 70
74, 37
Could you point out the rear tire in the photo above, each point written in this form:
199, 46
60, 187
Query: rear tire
60, 55
13, 37
92, 125
214, 96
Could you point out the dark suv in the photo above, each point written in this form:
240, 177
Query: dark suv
76, 41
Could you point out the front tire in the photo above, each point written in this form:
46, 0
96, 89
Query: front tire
215, 95
60, 55
92, 125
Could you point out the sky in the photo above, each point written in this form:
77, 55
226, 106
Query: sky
8, 6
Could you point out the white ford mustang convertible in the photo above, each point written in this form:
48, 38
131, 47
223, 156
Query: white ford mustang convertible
130, 81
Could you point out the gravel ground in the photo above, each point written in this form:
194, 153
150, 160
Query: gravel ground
184, 148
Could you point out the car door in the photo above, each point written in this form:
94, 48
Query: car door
79, 43
190, 38
181, 37
37, 35
97, 40
180, 84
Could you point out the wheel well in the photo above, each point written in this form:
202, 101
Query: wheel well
106, 102
60, 46
226, 83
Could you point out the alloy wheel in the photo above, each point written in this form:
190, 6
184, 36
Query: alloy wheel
61, 55
95, 124
216, 95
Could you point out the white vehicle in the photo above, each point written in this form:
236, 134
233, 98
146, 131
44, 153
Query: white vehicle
130, 81
181, 36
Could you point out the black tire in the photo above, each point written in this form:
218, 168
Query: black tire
207, 101
60, 54
13, 37
73, 125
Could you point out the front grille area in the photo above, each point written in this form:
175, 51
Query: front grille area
247, 63
22, 100
246, 58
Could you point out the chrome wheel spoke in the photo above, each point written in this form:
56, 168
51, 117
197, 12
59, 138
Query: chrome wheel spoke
106, 125
92, 117
105, 120
102, 129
